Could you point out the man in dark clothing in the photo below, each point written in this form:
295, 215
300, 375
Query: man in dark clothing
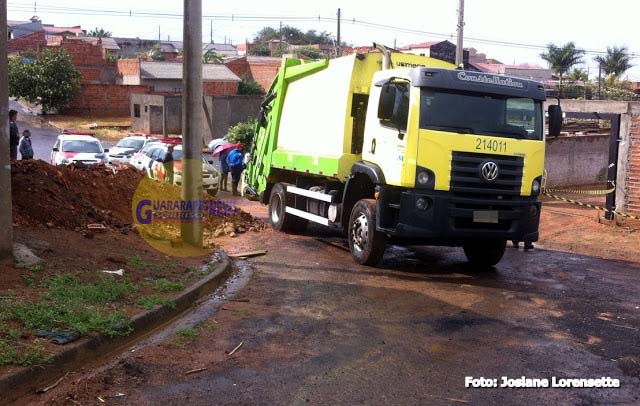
224, 168
168, 165
14, 134
25, 148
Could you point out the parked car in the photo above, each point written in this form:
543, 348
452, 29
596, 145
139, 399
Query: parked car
215, 142
156, 170
124, 150
77, 148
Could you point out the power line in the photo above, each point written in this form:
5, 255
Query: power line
288, 18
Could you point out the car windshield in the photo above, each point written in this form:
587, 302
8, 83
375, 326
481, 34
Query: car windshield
480, 114
130, 143
91, 147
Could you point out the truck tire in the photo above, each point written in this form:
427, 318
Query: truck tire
281, 220
485, 253
365, 242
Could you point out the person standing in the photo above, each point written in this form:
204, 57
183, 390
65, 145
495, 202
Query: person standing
14, 135
168, 165
236, 166
25, 148
224, 168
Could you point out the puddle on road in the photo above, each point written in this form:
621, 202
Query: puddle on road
206, 307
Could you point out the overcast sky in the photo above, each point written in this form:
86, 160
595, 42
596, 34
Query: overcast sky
536, 23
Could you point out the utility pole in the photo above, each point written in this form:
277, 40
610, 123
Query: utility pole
191, 230
599, 80
159, 37
338, 48
459, 49
211, 21
281, 38
6, 212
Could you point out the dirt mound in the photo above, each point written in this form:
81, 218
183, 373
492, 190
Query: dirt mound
72, 196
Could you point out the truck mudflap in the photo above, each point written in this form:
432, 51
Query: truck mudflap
444, 218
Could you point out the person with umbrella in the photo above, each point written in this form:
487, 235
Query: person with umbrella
235, 160
222, 151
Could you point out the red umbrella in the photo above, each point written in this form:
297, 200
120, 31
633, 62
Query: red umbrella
223, 147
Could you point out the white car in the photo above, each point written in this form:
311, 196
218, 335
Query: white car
78, 148
155, 155
141, 159
127, 147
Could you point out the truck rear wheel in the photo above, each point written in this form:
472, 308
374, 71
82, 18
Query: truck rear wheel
278, 217
485, 253
365, 242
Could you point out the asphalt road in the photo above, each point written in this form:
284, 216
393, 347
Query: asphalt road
318, 329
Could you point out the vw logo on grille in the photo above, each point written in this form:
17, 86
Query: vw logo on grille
489, 171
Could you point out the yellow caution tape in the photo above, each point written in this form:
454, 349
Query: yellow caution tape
595, 192
592, 206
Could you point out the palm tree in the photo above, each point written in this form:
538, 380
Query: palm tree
562, 58
579, 74
99, 32
211, 57
616, 62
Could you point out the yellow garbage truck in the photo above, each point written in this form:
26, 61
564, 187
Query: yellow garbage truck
393, 147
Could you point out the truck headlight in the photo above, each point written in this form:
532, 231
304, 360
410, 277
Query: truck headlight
425, 178
535, 187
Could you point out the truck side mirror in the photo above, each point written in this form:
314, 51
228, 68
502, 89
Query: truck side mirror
387, 102
555, 120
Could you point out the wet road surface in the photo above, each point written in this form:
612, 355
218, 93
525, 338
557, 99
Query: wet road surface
318, 329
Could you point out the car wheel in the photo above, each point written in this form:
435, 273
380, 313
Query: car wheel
366, 244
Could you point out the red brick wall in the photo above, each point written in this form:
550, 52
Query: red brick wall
104, 100
220, 88
32, 42
264, 72
238, 66
128, 67
88, 59
634, 167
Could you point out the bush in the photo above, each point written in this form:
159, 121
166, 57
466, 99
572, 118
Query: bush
249, 86
50, 81
243, 132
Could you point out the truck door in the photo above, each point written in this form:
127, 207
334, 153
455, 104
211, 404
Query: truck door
385, 141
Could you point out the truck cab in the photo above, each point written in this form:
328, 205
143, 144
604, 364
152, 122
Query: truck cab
420, 154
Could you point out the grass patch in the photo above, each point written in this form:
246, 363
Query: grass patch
138, 263
186, 336
23, 354
151, 301
67, 304
165, 285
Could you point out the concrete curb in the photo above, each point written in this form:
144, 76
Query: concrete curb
91, 348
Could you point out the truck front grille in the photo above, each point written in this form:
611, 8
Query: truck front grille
470, 192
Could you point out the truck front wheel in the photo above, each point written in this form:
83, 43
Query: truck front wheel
278, 217
485, 253
365, 242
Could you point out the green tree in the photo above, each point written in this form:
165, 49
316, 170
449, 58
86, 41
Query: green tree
616, 62
99, 32
155, 54
51, 81
249, 86
211, 57
562, 58
579, 74
244, 132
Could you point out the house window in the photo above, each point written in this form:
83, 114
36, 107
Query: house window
136, 110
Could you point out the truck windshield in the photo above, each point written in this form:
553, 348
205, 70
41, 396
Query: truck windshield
480, 114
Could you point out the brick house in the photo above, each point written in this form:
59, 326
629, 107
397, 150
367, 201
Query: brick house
262, 69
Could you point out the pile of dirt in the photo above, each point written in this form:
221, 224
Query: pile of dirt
72, 196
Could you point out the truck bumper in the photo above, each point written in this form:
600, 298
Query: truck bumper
450, 220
